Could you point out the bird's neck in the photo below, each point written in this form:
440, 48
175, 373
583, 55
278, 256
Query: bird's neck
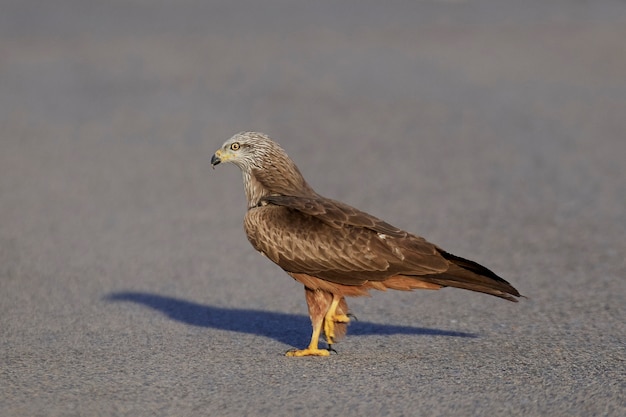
287, 180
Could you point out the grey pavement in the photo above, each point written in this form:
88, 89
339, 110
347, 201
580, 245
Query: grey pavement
496, 129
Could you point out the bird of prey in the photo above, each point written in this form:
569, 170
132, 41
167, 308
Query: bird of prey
333, 249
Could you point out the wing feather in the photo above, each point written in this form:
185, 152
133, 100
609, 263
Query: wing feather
336, 242
334, 213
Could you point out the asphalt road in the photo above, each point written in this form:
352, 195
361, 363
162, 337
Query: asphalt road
495, 129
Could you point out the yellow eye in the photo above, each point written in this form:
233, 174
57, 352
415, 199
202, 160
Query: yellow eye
235, 146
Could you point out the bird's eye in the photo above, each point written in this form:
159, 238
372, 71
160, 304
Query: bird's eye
235, 146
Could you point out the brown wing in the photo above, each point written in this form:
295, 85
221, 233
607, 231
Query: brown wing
336, 242
334, 213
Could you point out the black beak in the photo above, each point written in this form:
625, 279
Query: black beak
215, 160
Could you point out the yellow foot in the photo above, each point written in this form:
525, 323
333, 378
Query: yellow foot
341, 318
329, 326
307, 352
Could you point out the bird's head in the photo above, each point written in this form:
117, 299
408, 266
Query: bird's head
247, 150
265, 166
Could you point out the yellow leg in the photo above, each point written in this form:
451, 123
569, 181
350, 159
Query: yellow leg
318, 302
312, 350
331, 318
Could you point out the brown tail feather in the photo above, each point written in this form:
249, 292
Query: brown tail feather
470, 275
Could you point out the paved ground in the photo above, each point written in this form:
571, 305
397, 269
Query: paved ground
496, 129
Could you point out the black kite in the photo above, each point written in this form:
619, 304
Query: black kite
334, 249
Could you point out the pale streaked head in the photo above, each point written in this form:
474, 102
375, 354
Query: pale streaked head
266, 167
247, 150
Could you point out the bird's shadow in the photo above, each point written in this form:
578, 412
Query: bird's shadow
286, 328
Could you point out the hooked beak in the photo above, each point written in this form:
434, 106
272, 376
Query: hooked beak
215, 159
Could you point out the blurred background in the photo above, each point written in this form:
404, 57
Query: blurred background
494, 128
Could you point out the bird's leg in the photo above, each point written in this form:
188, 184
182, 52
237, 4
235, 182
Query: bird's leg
312, 349
331, 317
318, 302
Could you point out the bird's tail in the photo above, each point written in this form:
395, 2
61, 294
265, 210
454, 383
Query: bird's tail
472, 276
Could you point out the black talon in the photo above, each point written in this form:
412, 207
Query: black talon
331, 350
352, 316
